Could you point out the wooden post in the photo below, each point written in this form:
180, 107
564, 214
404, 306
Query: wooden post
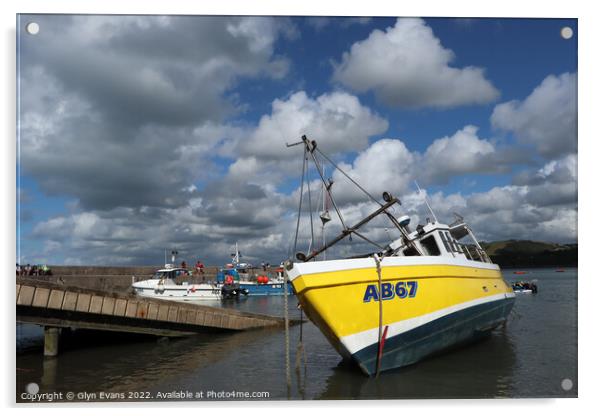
51, 341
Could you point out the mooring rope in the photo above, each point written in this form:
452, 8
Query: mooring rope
380, 313
298, 356
286, 339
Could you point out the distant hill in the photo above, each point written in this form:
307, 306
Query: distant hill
526, 253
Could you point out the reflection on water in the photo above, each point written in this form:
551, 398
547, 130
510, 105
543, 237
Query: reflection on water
448, 375
528, 358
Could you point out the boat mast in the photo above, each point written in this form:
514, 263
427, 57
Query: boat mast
310, 146
236, 258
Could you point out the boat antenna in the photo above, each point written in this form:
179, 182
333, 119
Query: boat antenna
426, 201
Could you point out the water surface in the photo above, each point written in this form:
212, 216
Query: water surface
528, 358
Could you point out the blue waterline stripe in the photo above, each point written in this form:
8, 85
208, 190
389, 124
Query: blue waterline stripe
411, 346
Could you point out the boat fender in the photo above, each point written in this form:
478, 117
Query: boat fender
160, 289
193, 289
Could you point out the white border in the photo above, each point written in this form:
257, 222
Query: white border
590, 31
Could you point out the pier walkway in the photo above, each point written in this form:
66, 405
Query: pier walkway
54, 306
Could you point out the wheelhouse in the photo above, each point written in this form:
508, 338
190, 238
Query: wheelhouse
437, 239
176, 275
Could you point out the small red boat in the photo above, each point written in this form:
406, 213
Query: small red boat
520, 272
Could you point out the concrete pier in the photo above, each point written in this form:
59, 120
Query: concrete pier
55, 306
51, 341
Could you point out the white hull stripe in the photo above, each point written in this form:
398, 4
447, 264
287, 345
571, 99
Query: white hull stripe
315, 267
356, 342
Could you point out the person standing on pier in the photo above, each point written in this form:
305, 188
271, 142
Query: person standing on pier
200, 267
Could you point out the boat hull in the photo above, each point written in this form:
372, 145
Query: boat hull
450, 330
267, 289
428, 304
183, 293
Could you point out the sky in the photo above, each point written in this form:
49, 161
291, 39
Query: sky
140, 134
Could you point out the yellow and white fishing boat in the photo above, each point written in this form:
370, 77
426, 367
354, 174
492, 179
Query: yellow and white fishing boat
422, 293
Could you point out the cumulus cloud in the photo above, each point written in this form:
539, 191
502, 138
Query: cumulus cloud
406, 66
154, 69
546, 119
206, 229
338, 121
127, 118
555, 184
463, 152
539, 205
510, 213
388, 165
127, 110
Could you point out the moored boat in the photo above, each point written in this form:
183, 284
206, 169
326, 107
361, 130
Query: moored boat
524, 287
261, 285
420, 294
168, 283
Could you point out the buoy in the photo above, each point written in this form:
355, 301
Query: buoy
192, 289
262, 280
229, 280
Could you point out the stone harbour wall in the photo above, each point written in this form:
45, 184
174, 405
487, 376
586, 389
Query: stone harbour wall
119, 279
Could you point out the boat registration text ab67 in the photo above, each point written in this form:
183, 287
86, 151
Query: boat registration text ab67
403, 289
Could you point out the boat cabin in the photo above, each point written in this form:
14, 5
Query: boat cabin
171, 273
437, 239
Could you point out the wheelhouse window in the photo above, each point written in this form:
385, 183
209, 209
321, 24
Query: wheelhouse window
410, 251
445, 242
430, 245
454, 243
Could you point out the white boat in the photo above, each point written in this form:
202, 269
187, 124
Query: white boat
169, 283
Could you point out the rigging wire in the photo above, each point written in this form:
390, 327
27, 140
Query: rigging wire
311, 148
367, 239
325, 184
311, 217
300, 198
350, 178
